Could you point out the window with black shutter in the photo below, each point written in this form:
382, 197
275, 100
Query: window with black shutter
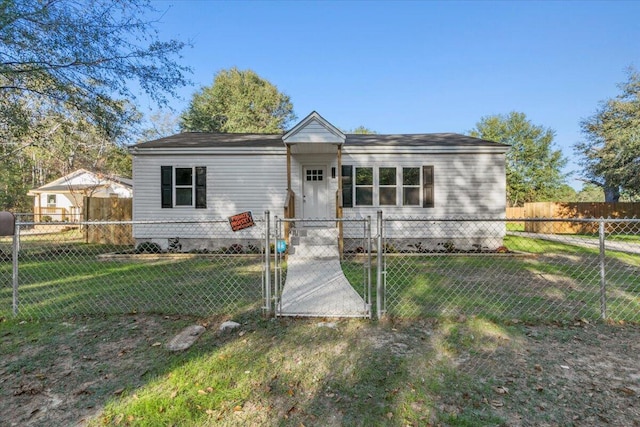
166, 180
201, 187
347, 186
183, 187
427, 187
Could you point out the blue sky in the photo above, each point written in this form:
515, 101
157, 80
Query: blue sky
420, 66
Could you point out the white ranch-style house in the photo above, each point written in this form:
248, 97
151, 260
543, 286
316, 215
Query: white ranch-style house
63, 199
312, 171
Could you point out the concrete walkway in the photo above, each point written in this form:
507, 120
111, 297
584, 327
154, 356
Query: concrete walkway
315, 285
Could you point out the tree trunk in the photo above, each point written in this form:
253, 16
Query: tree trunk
611, 193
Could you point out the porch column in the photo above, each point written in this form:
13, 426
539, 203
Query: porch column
290, 203
288, 167
339, 203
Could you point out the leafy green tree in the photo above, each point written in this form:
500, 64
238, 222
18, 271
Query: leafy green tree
610, 153
84, 56
159, 125
533, 166
564, 193
237, 102
591, 193
65, 68
361, 130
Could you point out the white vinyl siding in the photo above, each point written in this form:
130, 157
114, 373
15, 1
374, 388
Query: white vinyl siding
464, 184
234, 183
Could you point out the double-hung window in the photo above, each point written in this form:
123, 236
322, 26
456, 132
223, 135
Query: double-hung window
364, 186
405, 186
387, 188
411, 186
183, 186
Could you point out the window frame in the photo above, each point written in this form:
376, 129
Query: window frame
416, 187
190, 187
358, 187
55, 200
382, 186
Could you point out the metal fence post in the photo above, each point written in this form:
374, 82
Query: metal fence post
14, 276
267, 264
603, 280
369, 263
276, 267
379, 249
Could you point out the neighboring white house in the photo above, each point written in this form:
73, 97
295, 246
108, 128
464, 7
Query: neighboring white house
63, 198
313, 171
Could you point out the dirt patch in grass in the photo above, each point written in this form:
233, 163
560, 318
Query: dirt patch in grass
458, 372
61, 373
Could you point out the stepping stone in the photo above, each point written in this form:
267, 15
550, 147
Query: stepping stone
186, 338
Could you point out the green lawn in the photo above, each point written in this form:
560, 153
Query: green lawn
71, 279
541, 281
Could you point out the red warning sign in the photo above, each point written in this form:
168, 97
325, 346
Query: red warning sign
241, 221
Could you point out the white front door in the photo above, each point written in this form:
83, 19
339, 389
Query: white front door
314, 192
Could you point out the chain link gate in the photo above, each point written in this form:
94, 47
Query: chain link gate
322, 267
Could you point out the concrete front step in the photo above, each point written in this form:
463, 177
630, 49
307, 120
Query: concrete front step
317, 242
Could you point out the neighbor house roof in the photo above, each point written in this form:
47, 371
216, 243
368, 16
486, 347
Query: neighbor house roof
81, 179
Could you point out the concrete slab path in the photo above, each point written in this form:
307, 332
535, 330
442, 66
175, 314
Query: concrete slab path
316, 286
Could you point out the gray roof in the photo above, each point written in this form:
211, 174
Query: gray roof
417, 140
204, 139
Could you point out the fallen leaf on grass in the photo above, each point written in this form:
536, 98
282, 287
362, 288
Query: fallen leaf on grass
501, 390
237, 408
627, 391
156, 344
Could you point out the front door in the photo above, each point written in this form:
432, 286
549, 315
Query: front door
314, 192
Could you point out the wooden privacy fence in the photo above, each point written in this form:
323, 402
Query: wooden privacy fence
108, 209
558, 210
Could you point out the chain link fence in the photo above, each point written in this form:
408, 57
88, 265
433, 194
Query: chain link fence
492, 268
497, 270
187, 267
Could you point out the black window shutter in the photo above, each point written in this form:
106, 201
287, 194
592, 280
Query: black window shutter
166, 177
427, 187
347, 186
201, 187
